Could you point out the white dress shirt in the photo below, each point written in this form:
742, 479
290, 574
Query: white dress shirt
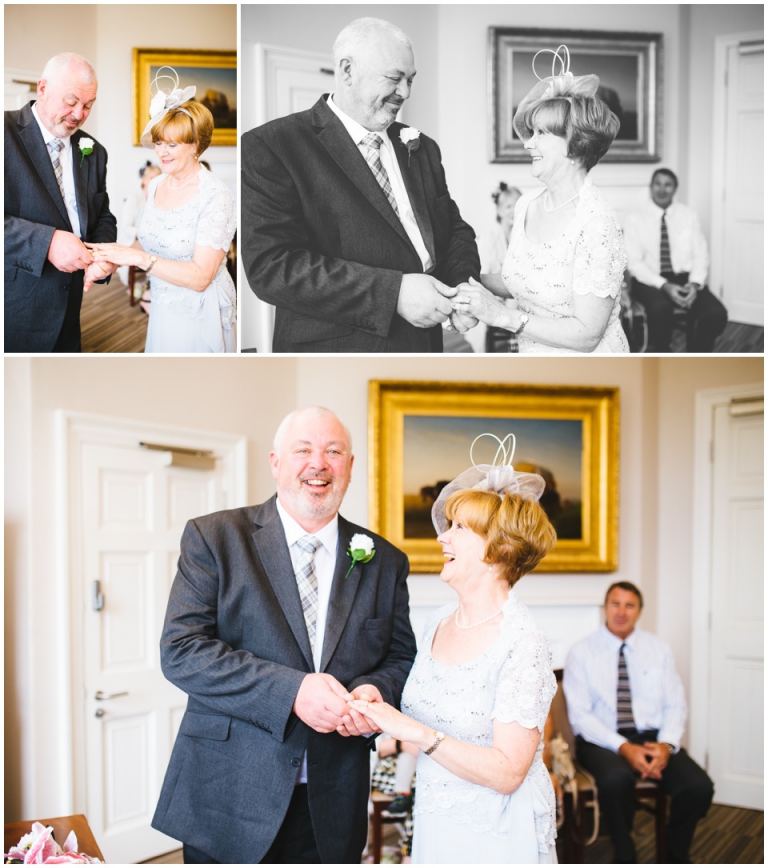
687, 245
68, 178
392, 168
590, 681
325, 564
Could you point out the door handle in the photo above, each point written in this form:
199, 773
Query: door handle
97, 597
101, 696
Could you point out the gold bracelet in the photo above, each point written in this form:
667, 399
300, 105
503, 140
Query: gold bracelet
152, 261
439, 736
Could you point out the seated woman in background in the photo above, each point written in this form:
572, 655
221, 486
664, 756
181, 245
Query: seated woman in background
560, 286
477, 698
185, 232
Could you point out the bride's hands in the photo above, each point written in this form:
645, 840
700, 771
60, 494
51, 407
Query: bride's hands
118, 254
394, 722
474, 300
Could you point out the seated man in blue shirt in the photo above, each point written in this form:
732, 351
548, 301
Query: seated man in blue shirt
627, 709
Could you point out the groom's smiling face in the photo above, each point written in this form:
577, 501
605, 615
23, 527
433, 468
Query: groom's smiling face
64, 103
378, 82
313, 466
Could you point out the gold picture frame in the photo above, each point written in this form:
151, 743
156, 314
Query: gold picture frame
419, 439
214, 73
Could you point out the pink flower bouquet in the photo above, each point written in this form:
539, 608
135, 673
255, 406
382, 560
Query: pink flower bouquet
39, 848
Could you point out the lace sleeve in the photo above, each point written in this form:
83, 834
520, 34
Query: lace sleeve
526, 683
600, 258
216, 225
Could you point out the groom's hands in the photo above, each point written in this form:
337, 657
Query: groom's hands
322, 702
67, 252
423, 300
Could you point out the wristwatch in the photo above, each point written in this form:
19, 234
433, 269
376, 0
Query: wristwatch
152, 261
439, 736
523, 322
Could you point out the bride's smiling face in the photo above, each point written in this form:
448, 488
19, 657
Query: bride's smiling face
464, 551
176, 158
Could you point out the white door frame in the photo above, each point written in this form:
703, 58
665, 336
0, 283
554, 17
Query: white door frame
73, 430
706, 400
719, 137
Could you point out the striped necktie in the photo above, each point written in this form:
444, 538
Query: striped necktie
665, 256
372, 145
54, 146
306, 579
624, 717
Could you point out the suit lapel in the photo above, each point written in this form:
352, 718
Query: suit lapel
34, 144
414, 185
276, 560
80, 168
343, 592
337, 141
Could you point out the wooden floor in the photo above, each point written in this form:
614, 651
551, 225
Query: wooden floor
108, 323
727, 836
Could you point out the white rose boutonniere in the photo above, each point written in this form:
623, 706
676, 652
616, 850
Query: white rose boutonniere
409, 136
85, 146
361, 550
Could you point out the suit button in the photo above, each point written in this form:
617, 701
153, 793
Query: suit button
296, 762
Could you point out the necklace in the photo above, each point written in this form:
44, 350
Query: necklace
558, 207
470, 626
188, 181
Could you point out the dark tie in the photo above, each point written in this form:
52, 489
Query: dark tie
372, 145
54, 146
624, 717
306, 579
665, 255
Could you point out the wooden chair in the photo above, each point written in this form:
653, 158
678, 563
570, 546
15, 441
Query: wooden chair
575, 810
133, 270
380, 803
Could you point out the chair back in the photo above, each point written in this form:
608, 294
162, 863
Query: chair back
559, 712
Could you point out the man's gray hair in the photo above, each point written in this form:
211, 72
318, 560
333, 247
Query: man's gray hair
59, 64
310, 411
355, 38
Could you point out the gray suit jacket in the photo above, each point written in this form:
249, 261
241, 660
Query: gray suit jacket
37, 293
235, 640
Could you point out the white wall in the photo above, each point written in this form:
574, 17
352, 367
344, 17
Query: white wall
106, 35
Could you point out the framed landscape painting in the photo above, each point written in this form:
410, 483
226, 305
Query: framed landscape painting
420, 436
213, 73
629, 66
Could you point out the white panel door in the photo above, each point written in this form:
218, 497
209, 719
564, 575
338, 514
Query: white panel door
743, 258
736, 694
134, 508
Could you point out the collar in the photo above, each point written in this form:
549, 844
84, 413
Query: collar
356, 130
47, 134
615, 641
659, 211
328, 535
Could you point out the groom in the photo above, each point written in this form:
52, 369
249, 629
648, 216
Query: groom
349, 228
271, 628
55, 198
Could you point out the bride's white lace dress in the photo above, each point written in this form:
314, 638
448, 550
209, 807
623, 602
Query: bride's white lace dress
182, 320
456, 821
588, 258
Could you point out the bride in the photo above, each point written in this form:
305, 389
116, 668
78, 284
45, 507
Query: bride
185, 231
559, 290
477, 698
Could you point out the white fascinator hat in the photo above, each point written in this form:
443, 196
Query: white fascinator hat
562, 83
165, 99
499, 477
